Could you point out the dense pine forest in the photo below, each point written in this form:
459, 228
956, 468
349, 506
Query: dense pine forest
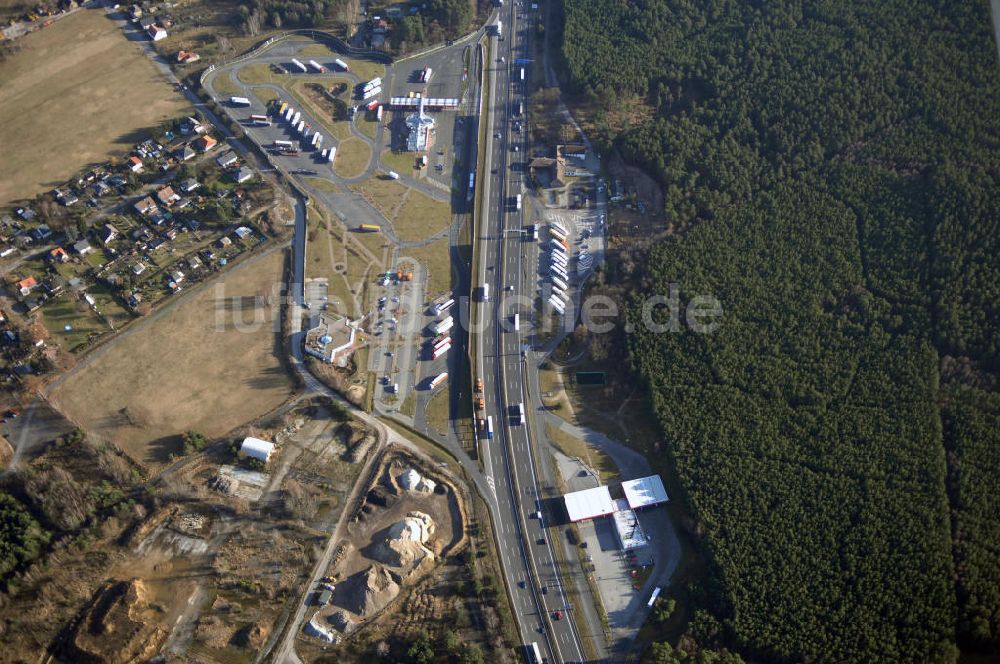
834, 168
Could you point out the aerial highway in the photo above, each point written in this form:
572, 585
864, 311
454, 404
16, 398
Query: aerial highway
506, 269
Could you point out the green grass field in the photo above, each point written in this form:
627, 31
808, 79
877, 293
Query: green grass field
353, 156
436, 259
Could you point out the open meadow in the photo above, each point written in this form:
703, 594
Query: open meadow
75, 93
193, 368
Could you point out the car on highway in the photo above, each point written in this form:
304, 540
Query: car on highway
541, 540
557, 615
545, 590
522, 583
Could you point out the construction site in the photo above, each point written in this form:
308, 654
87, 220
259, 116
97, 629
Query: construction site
409, 526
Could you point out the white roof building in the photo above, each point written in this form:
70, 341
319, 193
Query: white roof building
644, 491
589, 503
422, 130
256, 448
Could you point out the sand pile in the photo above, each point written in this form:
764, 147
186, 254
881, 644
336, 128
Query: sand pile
413, 481
366, 592
110, 629
405, 543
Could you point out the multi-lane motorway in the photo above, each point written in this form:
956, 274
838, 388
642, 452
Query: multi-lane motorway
507, 265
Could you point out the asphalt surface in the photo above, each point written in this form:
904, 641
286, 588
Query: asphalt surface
541, 605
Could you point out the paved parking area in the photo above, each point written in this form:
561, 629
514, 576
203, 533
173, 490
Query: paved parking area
610, 566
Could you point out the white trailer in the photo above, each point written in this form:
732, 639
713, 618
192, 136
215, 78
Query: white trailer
300, 126
320, 69
559, 272
343, 65
556, 281
313, 141
296, 117
374, 83
289, 114
517, 322
378, 114
560, 293
319, 141
442, 325
438, 352
557, 305
331, 155
323, 154
239, 101
301, 67
559, 227
560, 260
517, 202
440, 378
374, 92
393, 175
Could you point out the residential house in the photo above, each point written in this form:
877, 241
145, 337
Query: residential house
177, 276
146, 206
187, 57
242, 232
182, 203
26, 213
192, 126
66, 198
135, 164
54, 285
82, 247
205, 143
167, 196
189, 185
108, 234
226, 159
26, 285
156, 32
184, 152
138, 268
59, 255
242, 174
42, 232
224, 242
101, 189
194, 263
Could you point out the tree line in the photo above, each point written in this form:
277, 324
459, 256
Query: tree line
831, 168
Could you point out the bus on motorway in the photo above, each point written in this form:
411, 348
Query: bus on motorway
284, 145
489, 427
517, 322
532, 654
